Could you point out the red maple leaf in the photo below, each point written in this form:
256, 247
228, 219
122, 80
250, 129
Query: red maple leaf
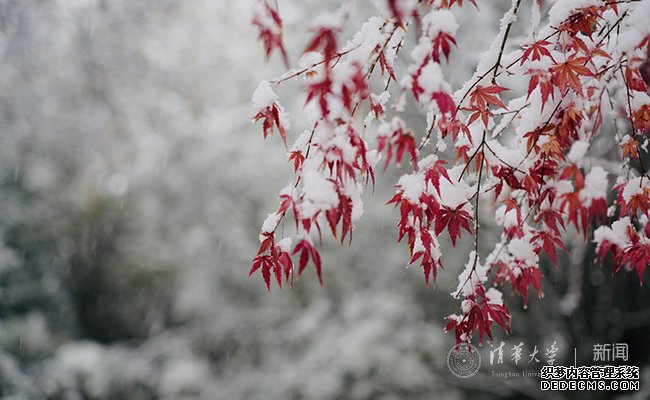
325, 40
307, 250
271, 36
511, 204
385, 66
483, 96
405, 143
477, 112
528, 277
342, 211
445, 102
597, 211
573, 171
434, 172
641, 118
585, 21
548, 241
264, 264
575, 210
297, 158
522, 280
454, 126
543, 80
271, 116
357, 85
567, 74
321, 90
536, 51
275, 262
375, 107
605, 248
480, 99
442, 42
639, 201
429, 264
499, 314
533, 136
479, 316
551, 217
453, 220
634, 79
630, 148
638, 255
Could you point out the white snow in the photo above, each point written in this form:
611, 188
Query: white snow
418, 246
431, 79
373, 157
353, 190
639, 99
405, 7
310, 58
494, 296
301, 141
466, 305
512, 157
365, 41
420, 51
264, 18
346, 152
437, 21
454, 194
634, 187
578, 151
412, 187
270, 223
637, 27
427, 162
264, 96
563, 9
621, 226
332, 20
605, 233
284, 245
523, 250
468, 280
506, 219
616, 235
318, 193
596, 186
535, 15
287, 190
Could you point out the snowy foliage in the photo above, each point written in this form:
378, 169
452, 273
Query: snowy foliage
490, 141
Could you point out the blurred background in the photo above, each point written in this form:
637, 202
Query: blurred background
132, 189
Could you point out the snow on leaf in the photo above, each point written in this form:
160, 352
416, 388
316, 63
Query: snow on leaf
266, 18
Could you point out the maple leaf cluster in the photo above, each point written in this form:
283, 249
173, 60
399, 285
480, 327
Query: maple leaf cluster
266, 18
522, 152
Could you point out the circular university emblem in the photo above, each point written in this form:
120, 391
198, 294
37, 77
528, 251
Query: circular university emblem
464, 360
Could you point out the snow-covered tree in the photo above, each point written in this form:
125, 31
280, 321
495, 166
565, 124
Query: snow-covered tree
528, 132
